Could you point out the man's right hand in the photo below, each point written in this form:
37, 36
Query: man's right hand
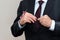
27, 18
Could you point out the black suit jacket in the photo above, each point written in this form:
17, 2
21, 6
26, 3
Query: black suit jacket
52, 9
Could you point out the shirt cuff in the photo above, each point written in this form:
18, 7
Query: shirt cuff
52, 27
20, 25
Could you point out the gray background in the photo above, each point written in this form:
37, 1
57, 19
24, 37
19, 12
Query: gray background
8, 10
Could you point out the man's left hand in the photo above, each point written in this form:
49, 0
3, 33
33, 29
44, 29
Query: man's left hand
45, 21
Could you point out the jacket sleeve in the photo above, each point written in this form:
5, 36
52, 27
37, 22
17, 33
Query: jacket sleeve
15, 29
57, 28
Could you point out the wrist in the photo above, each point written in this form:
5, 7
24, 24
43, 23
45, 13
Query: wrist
21, 23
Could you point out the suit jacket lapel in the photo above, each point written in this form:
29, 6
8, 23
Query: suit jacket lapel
31, 6
49, 7
28, 5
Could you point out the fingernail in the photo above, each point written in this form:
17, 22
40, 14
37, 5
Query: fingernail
33, 22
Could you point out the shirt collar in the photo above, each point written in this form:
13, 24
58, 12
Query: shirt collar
39, 0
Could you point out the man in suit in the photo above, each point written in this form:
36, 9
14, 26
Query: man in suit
49, 20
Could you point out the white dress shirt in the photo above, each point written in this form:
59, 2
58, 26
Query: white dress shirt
42, 10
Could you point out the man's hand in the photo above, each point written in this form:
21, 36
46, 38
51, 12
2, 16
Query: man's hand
45, 21
27, 18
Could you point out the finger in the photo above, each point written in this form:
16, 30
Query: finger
23, 14
46, 16
30, 16
28, 21
41, 18
31, 20
33, 17
38, 18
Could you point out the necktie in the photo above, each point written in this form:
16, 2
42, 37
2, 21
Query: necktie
39, 9
37, 24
